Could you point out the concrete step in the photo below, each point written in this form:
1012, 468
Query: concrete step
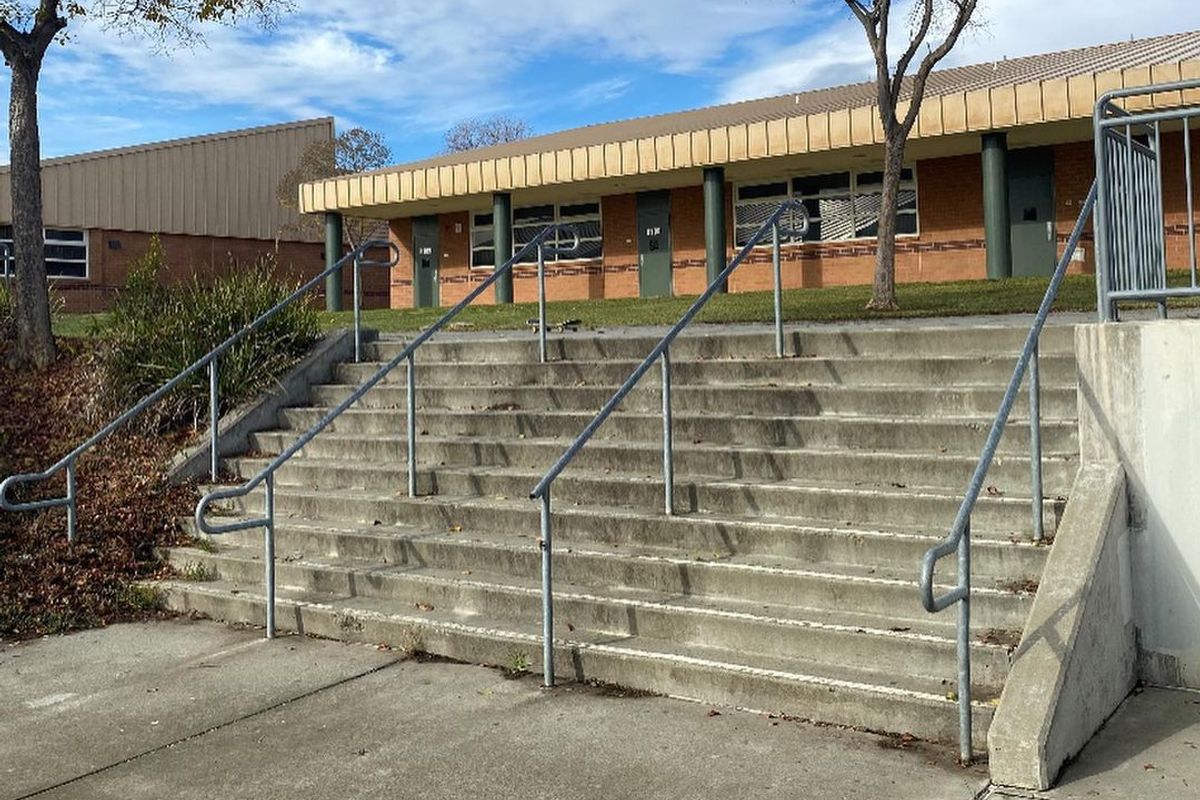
866, 504
708, 341
669, 551
944, 470
847, 695
1057, 402
778, 630
894, 370
934, 435
888, 589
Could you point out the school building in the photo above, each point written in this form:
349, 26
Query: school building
998, 164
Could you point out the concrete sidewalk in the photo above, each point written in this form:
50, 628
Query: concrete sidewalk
198, 710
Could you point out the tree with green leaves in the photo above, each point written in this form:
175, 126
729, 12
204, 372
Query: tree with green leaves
27, 29
930, 21
356, 150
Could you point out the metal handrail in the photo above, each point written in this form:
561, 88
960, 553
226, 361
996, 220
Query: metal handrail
660, 351
267, 473
209, 360
959, 538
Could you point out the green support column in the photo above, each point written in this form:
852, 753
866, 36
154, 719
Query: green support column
997, 227
714, 221
502, 227
333, 254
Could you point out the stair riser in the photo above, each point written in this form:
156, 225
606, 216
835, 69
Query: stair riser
990, 560
469, 601
866, 507
889, 435
817, 591
767, 464
788, 372
1057, 403
733, 344
924, 718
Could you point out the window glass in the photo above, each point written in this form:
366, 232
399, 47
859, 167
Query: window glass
65, 251
529, 221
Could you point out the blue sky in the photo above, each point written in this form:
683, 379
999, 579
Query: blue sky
410, 70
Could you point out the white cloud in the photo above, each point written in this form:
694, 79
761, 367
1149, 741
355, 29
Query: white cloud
1007, 28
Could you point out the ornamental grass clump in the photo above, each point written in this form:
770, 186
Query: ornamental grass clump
158, 330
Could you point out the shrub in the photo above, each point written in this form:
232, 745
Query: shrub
158, 330
8, 323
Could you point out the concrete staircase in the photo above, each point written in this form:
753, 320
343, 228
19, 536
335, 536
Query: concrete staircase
807, 490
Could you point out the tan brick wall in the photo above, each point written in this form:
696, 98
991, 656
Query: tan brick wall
110, 254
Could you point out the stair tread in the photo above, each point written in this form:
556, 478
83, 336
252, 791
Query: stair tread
845, 677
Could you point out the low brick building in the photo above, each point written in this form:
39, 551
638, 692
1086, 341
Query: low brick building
210, 199
999, 163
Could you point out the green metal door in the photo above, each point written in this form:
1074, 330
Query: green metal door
425, 262
654, 243
1031, 209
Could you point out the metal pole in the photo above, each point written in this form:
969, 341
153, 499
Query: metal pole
778, 268
668, 458
1100, 219
269, 554
357, 312
1187, 179
72, 511
1159, 216
213, 412
412, 426
542, 302
1035, 442
547, 596
964, 647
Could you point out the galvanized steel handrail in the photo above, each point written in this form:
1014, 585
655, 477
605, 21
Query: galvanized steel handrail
660, 352
267, 473
210, 360
959, 538
1131, 252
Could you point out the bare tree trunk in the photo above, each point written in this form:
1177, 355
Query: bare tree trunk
35, 342
883, 296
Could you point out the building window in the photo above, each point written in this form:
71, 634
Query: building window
528, 221
841, 205
66, 252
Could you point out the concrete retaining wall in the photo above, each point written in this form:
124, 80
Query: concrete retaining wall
1139, 400
1077, 659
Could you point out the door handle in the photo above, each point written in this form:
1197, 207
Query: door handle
1049, 231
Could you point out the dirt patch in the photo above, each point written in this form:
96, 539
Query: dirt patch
125, 508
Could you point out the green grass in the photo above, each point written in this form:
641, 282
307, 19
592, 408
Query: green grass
963, 298
837, 303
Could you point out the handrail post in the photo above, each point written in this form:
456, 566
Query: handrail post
72, 510
269, 553
777, 268
668, 456
357, 309
964, 646
213, 418
1035, 442
547, 595
411, 414
541, 278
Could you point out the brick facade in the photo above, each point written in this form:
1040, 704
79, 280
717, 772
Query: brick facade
111, 252
949, 246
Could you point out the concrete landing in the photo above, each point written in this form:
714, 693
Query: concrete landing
198, 710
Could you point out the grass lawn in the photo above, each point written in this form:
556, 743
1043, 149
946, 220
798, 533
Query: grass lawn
962, 298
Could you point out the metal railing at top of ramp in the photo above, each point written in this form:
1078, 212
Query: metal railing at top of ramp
406, 355
210, 360
797, 217
1131, 241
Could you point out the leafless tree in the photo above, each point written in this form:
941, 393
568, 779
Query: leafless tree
485, 132
899, 98
27, 28
356, 150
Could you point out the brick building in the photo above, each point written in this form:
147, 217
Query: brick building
211, 199
999, 163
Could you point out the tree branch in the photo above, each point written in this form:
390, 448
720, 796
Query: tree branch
914, 45
965, 9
